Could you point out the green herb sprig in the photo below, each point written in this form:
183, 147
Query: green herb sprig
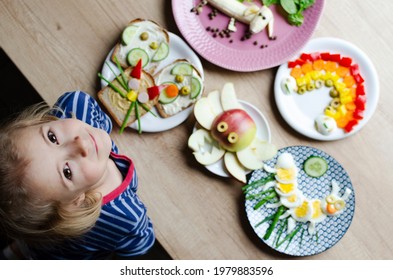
294, 9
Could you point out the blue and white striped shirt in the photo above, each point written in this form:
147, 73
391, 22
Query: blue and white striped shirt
123, 226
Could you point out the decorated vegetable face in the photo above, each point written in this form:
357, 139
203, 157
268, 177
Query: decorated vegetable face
343, 79
234, 130
228, 132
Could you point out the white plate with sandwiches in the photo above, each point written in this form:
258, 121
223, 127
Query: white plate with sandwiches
178, 51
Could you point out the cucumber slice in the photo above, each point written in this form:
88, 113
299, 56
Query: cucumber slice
315, 166
162, 52
164, 99
182, 68
195, 88
128, 33
135, 54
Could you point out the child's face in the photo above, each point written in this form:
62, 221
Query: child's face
67, 158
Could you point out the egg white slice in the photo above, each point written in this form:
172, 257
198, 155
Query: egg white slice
293, 200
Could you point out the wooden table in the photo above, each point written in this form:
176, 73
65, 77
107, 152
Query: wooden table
61, 45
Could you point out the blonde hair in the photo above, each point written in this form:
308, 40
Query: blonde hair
24, 215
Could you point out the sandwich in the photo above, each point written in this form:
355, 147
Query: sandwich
129, 96
181, 86
142, 40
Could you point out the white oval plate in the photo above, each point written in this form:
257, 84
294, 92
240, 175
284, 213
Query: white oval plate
263, 133
300, 111
178, 50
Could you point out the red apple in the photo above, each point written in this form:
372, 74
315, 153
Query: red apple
234, 130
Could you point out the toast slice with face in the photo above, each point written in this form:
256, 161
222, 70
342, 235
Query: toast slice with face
142, 39
181, 86
118, 104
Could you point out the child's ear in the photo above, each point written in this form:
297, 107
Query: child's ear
79, 200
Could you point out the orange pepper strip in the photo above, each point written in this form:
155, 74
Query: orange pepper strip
318, 65
352, 91
306, 68
350, 106
296, 72
342, 71
172, 91
331, 66
342, 122
349, 81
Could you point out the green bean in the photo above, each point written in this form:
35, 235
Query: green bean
112, 85
283, 226
258, 183
264, 200
268, 218
138, 117
258, 195
289, 237
301, 239
123, 75
123, 126
269, 231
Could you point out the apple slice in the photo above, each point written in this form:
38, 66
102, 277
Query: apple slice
206, 149
234, 167
228, 98
203, 113
252, 156
214, 98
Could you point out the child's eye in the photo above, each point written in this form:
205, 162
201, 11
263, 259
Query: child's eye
52, 137
67, 172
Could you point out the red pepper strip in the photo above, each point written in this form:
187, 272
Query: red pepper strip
346, 61
354, 69
153, 92
358, 114
358, 78
360, 102
335, 57
325, 56
360, 90
293, 64
350, 125
315, 56
306, 56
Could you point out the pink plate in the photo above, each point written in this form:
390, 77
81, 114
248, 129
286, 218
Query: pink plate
257, 53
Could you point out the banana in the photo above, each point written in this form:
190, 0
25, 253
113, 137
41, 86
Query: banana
257, 18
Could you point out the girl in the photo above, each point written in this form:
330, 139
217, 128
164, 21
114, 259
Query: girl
65, 192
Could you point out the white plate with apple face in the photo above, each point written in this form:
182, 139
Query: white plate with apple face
263, 133
300, 111
178, 50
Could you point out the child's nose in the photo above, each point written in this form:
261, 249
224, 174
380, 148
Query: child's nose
79, 147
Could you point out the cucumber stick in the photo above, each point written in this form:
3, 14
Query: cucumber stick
315, 166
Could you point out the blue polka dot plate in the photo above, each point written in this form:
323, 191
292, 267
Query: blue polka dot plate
299, 240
